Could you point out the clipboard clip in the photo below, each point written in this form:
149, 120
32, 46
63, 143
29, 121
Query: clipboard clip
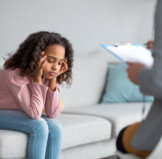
122, 44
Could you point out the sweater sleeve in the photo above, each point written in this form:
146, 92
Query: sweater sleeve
30, 97
150, 80
53, 105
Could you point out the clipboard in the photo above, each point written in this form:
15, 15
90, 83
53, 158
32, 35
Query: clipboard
130, 53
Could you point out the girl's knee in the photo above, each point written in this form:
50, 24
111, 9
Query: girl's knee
55, 127
39, 127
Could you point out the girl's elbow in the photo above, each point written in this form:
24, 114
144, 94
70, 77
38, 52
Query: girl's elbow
35, 116
54, 113
52, 116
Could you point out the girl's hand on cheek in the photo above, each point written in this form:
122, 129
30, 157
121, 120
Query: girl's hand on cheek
53, 82
64, 67
43, 61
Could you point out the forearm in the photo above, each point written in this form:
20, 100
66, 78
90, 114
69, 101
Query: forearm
31, 98
37, 80
53, 103
52, 84
150, 79
28, 94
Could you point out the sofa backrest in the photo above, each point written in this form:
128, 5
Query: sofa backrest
89, 74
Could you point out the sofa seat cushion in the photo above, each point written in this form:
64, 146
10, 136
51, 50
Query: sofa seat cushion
120, 115
77, 130
83, 129
13, 144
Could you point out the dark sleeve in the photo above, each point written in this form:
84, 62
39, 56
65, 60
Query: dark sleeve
150, 80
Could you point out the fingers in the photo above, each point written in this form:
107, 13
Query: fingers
150, 44
64, 66
129, 63
43, 60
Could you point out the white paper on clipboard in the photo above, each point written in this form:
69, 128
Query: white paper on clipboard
130, 53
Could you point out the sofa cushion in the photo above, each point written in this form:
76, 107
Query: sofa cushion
119, 89
13, 144
89, 74
83, 129
95, 150
120, 115
77, 130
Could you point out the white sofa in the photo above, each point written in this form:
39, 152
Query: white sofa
89, 128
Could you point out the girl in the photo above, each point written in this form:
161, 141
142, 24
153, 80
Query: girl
29, 84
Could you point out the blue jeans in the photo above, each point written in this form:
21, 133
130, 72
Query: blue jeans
45, 134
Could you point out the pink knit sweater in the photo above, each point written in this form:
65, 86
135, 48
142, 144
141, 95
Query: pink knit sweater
21, 93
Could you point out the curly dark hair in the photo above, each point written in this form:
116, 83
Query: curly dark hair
28, 55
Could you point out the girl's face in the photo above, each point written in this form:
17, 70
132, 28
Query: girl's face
55, 59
